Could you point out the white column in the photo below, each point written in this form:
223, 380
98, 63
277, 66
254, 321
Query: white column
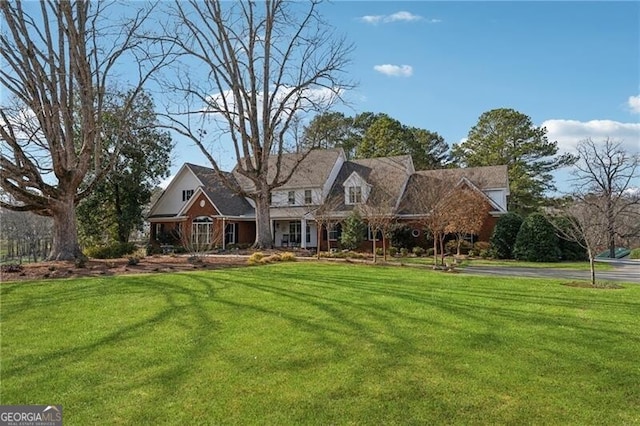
303, 232
224, 234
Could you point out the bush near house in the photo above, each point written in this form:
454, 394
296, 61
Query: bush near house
635, 253
537, 240
110, 251
504, 235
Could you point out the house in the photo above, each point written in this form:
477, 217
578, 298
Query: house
198, 207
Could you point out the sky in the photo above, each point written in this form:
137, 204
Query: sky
573, 67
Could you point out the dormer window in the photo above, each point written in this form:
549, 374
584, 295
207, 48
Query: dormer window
186, 194
307, 196
292, 197
355, 194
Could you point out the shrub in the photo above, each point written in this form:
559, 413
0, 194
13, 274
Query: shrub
133, 261
80, 262
255, 258
404, 252
504, 235
400, 236
536, 240
451, 247
429, 252
418, 251
379, 251
353, 231
635, 253
287, 256
111, 251
393, 251
481, 245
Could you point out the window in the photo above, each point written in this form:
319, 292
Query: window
201, 231
308, 234
295, 231
292, 197
355, 194
335, 232
270, 198
307, 196
186, 194
370, 234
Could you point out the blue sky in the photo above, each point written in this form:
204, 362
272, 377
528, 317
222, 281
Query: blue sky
573, 67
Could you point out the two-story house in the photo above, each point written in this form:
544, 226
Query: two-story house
198, 208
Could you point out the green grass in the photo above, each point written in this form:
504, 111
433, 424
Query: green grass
309, 343
581, 266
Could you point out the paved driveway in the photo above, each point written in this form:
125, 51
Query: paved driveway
628, 271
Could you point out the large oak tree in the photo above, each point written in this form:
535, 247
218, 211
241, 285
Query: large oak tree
250, 70
58, 58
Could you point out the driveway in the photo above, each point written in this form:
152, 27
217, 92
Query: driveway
624, 271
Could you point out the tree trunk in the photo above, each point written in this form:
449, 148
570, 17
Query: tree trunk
319, 237
611, 230
65, 231
264, 239
375, 259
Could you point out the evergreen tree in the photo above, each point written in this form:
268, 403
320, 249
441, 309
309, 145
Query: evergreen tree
536, 240
504, 235
507, 137
115, 207
353, 231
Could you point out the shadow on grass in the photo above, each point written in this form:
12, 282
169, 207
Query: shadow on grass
342, 310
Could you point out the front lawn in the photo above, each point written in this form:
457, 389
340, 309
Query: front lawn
309, 343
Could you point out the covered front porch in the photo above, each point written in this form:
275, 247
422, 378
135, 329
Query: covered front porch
301, 233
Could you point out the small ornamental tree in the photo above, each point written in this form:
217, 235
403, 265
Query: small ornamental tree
504, 235
352, 231
537, 240
468, 209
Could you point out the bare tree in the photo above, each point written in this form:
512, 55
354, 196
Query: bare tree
325, 216
24, 234
583, 221
604, 177
261, 67
380, 212
58, 59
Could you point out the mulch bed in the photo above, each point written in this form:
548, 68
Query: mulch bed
100, 268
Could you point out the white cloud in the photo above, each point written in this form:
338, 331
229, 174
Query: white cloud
634, 104
372, 19
569, 132
394, 70
400, 16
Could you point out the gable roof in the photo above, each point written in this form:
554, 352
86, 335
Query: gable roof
386, 175
312, 172
477, 178
227, 202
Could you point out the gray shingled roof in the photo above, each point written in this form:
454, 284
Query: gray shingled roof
387, 175
312, 172
227, 202
483, 178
